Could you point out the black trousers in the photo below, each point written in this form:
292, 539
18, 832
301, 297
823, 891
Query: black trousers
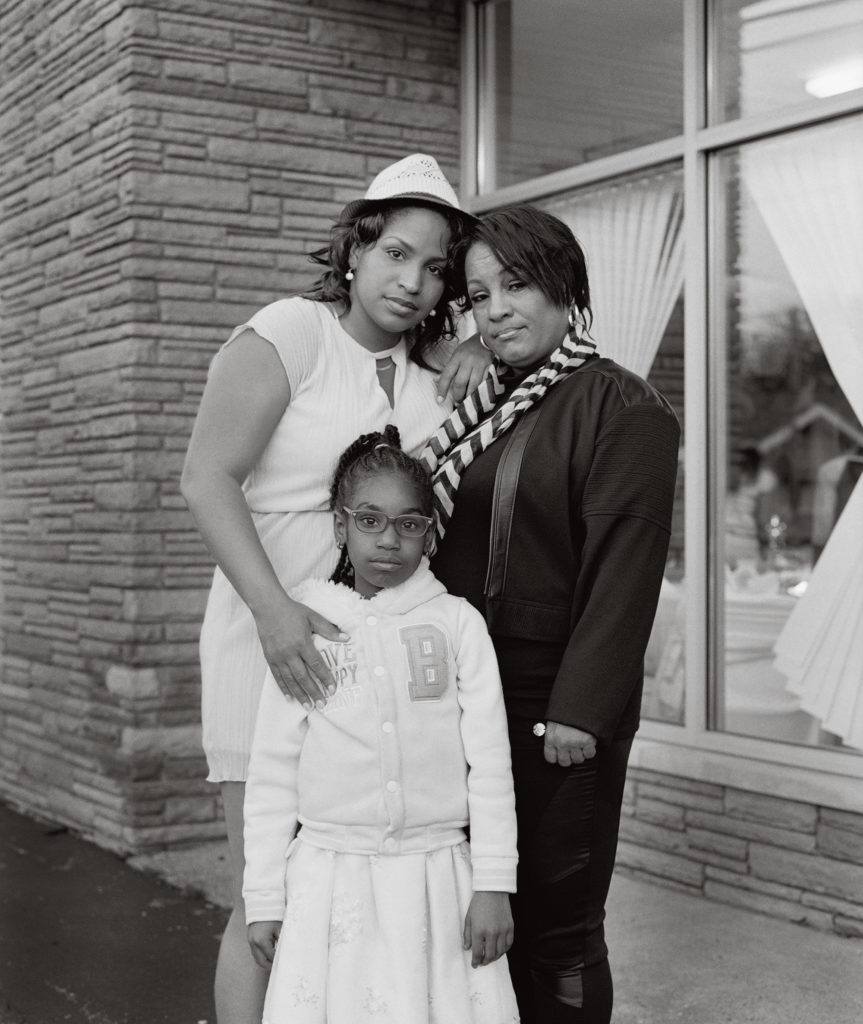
568, 820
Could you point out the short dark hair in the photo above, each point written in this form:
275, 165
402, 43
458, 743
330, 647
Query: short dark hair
364, 228
539, 247
378, 452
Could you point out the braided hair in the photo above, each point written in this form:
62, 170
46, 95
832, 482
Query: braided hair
363, 229
370, 454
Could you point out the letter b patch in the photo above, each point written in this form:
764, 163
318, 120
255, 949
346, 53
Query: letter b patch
428, 664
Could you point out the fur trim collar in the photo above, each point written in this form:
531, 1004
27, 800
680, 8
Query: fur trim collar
345, 606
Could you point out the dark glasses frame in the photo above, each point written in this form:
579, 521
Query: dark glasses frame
382, 521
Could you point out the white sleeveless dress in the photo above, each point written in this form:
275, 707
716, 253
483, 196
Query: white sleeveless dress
335, 397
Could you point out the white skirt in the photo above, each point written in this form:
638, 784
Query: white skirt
379, 938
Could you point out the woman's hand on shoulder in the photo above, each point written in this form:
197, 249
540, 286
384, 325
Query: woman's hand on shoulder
464, 370
286, 632
565, 745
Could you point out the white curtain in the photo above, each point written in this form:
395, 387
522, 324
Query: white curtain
632, 234
807, 189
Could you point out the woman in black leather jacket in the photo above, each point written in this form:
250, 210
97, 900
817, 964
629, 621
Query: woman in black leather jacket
555, 515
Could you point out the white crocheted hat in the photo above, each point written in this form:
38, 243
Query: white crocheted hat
415, 177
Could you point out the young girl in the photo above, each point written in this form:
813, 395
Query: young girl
384, 911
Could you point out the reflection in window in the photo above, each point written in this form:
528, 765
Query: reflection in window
775, 54
793, 544
574, 80
631, 231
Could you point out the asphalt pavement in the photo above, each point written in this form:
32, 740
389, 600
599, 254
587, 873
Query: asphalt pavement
88, 938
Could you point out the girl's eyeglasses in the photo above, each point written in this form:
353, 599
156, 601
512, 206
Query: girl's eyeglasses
369, 521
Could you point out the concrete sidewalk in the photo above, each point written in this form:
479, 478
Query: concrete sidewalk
87, 937
675, 957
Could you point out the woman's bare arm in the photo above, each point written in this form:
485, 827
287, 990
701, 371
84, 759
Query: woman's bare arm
246, 395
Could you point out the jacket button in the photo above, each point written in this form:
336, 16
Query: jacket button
392, 786
387, 727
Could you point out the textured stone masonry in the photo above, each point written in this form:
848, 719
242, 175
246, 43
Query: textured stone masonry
166, 169
780, 857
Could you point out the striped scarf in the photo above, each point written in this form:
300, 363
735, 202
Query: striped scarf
478, 421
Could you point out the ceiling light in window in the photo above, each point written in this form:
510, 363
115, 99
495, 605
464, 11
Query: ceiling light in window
839, 79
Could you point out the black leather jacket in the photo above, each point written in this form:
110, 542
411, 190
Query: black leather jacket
581, 563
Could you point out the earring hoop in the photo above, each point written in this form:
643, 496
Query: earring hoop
576, 321
482, 342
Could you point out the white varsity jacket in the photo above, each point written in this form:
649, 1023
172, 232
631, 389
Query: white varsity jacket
411, 747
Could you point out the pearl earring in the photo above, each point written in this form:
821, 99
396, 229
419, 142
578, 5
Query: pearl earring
432, 312
350, 275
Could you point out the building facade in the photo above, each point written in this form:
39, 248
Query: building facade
169, 165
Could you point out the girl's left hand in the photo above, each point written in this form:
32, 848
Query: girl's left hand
488, 928
565, 745
464, 371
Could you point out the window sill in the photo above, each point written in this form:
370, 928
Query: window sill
827, 778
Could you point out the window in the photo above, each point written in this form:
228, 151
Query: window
757, 635
567, 81
791, 248
774, 54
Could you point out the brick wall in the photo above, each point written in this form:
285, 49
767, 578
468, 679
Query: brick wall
166, 166
779, 857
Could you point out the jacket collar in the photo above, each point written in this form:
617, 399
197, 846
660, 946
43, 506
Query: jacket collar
345, 606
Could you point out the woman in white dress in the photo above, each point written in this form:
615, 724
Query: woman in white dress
284, 396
